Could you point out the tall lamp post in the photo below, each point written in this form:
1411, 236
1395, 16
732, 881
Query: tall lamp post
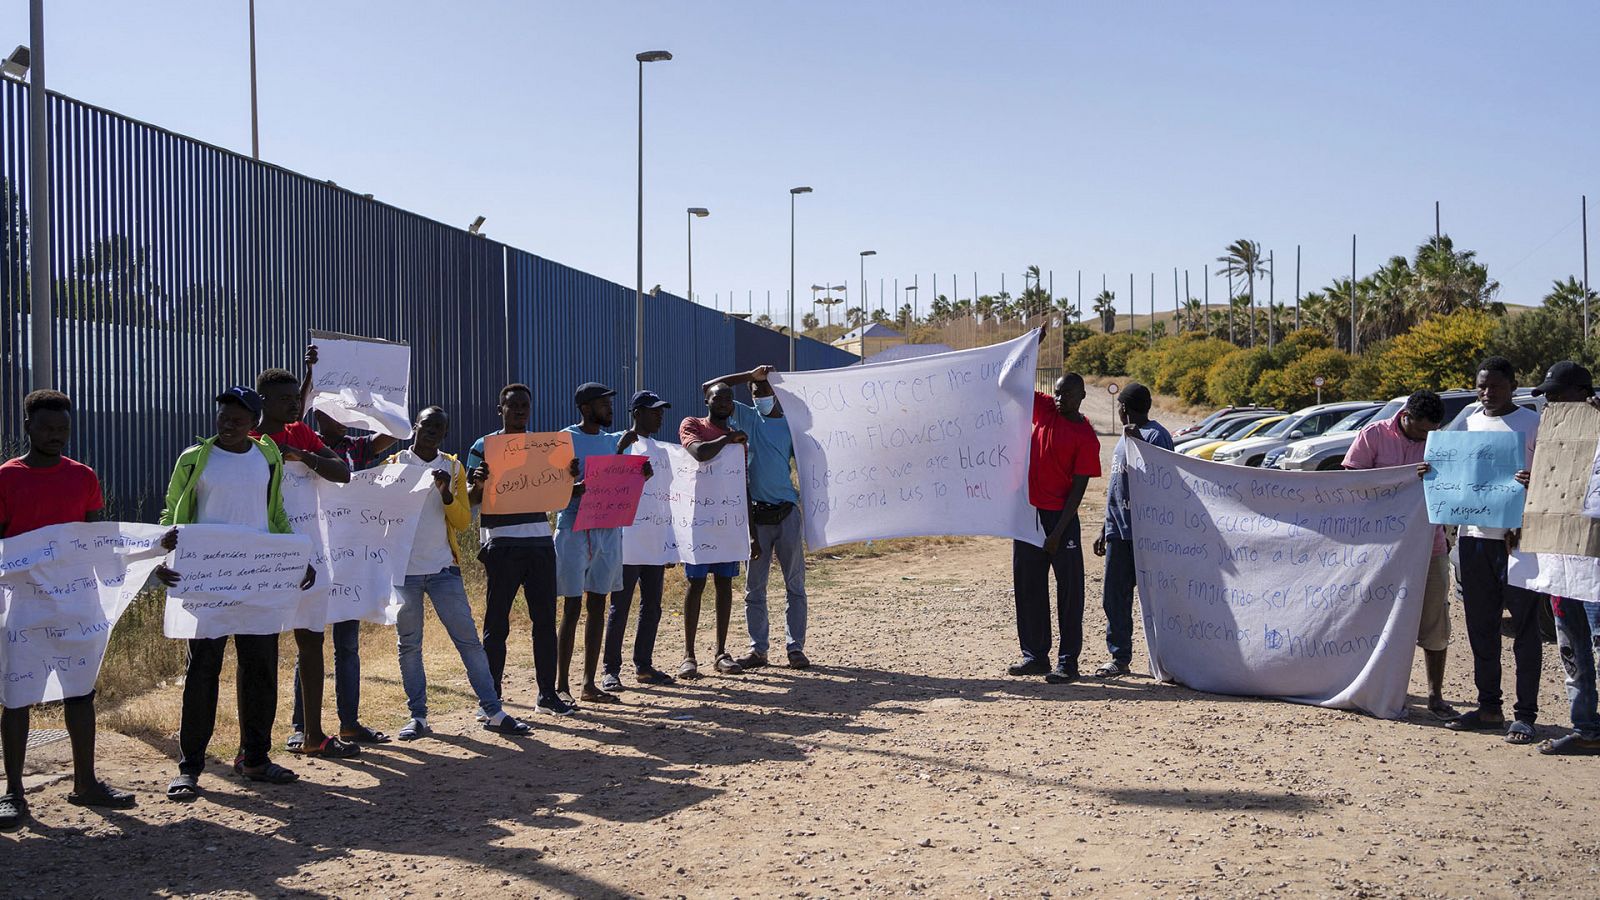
828, 299
41, 364
638, 296
695, 212
911, 299
793, 192
866, 319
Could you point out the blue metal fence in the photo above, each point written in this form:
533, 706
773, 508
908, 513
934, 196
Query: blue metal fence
180, 268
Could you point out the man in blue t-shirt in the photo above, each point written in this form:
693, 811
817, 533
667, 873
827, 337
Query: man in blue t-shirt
1116, 539
775, 525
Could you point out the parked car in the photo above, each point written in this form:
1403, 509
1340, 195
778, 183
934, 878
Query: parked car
1220, 428
1200, 427
1250, 429
1308, 422
1321, 454
1352, 423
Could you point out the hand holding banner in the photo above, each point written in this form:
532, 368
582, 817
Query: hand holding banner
234, 581
527, 472
611, 488
1473, 478
62, 590
689, 511
363, 382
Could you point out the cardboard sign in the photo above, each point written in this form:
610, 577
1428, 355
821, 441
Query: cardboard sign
527, 472
363, 382
611, 489
1553, 520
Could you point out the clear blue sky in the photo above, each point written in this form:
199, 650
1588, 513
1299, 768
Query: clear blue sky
951, 137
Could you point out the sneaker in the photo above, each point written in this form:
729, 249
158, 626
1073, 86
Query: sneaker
552, 705
1061, 675
610, 682
797, 660
1027, 667
727, 666
752, 660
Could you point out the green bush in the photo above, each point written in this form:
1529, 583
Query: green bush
1438, 353
1232, 378
1103, 354
1292, 386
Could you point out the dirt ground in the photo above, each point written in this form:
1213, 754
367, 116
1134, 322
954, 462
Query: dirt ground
904, 762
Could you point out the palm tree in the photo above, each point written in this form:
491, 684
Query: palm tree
855, 317
1192, 311
1243, 259
1391, 307
1568, 295
1448, 279
1105, 306
961, 309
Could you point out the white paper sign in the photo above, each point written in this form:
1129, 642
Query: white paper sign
62, 589
926, 446
363, 383
235, 581
691, 512
1591, 498
1557, 574
1301, 585
362, 533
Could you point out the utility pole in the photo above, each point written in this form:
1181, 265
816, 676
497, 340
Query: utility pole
1354, 335
1585, 202
1297, 287
41, 362
1272, 312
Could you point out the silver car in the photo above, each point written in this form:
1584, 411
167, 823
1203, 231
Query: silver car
1320, 454
1308, 422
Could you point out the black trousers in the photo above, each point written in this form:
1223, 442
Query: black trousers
257, 684
1484, 594
1030, 576
651, 581
530, 568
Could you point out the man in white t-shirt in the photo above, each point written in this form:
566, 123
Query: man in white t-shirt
435, 569
1484, 590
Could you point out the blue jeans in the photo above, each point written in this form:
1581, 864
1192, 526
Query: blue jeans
785, 541
652, 582
1578, 635
346, 678
1030, 577
449, 597
1117, 599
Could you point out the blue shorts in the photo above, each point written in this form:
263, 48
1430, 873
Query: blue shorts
588, 561
694, 571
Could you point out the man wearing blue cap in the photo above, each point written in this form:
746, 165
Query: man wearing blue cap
648, 409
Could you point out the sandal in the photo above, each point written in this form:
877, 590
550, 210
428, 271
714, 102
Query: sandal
333, 748
510, 726
271, 773
1112, 670
184, 788
652, 675
13, 811
104, 796
1520, 732
595, 695
688, 670
416, 728
1476, 720
361, 734
1571, 745
727, 665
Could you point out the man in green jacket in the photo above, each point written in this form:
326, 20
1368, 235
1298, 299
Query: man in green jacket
230, 479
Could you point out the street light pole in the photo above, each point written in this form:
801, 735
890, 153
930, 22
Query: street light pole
638, 295
793, 192
255, 122
41, 367
866, 320
694, 212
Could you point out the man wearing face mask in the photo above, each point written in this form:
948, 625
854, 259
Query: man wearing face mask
775, 518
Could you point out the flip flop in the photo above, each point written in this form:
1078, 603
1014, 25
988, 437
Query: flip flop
511, 727
1519, 733
361, 734
1571, 745
104, 796
184, 788
333, 748
600, 697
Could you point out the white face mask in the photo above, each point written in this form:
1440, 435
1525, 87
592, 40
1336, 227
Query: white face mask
764, 405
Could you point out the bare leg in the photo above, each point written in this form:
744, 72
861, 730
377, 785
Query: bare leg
691, 615
594, 631
724, 588
14, 734
1435, 660
566, 641
80, 730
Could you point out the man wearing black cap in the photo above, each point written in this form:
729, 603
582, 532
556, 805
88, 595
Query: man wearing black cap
1115, 542
647, 408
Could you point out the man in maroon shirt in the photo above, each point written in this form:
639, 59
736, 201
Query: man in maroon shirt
1064, 454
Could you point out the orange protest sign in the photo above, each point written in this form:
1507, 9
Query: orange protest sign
527, 472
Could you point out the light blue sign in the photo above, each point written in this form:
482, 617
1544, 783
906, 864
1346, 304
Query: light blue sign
1473, 479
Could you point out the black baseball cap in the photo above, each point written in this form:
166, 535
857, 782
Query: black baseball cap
591, 390
648, 400
1565, 374
243, 396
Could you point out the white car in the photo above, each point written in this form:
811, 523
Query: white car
1320, 454
1308, 422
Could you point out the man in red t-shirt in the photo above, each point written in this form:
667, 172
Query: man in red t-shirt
45, 488
704, 438
1063, 456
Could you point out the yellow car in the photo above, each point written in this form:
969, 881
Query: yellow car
1251, 429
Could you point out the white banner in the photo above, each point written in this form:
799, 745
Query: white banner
62, 589
361, 533
1557, 574
235, 580
363, 383
927, 446
1301, 585
691, 512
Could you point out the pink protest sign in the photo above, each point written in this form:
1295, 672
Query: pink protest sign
612, 486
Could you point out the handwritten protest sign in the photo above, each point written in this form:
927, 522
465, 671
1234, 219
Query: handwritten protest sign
1301, 585
527, 472
361, 534
363, 382
611, 488
235, 581
1553, 520
62, 590
1473, 480
1577, 577
933, 445
689, 511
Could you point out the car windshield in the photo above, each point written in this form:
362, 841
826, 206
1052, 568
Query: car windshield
1353, 421
1284, 427
1232, 427
1258, 428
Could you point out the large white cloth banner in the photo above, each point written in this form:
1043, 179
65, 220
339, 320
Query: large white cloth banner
1557, 574
927, 446
363, 382
1301, 585
234, 581
62, 590
691, 511
361, 533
